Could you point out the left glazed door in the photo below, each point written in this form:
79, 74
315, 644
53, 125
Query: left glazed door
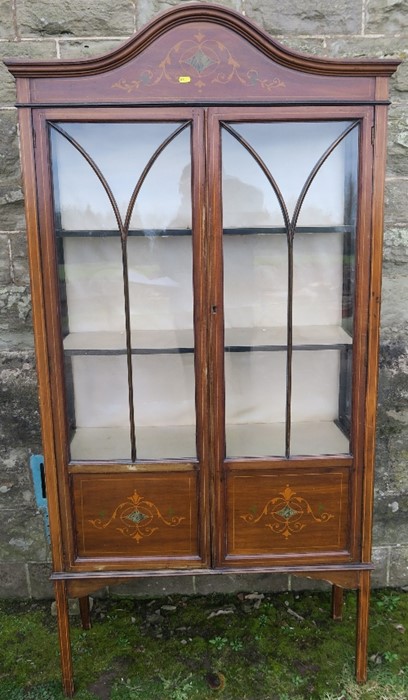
125, 339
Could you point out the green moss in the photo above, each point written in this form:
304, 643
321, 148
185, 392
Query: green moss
284, 646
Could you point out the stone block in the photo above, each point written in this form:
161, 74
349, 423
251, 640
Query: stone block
19, 417
399, 566
22, 536
397, 162
6, 25
386, 16
39, 574
396, 239
399, 82
391, 519
366, 47
21, 49
11, 206
392, 458
16, 486
148, 9
396, 204
13, 580
393, 385
302, 583
87, 49
394, 308
392, 420
155, 586
9, 153
73, 607
306, 16
15, 308
307, 45
13, 259
236, 583
393, 351
19, 341
5, 261
19, 258
380, 559
394, 475
75, 18
205, 584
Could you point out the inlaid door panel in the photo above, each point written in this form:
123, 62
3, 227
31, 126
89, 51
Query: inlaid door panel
274, 514
140, 517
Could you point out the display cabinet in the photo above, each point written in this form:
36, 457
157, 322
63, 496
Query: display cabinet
204, 214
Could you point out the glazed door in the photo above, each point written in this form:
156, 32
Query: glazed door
284, 334
207, 332
129, 248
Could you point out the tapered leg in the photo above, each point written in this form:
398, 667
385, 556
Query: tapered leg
85, 612
337, 602
61, 599
363, 604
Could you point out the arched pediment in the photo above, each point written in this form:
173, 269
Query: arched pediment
198, 53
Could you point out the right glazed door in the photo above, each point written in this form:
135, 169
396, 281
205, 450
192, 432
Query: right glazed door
286, 240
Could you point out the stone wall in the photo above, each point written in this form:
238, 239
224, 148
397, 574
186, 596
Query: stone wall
80, 28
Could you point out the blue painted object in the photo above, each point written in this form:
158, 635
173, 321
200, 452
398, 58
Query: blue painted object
38, 472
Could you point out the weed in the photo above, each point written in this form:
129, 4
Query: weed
218, 642
236, 645
388, 602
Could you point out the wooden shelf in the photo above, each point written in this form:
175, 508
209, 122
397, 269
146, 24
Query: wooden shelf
244, 231
307, 438
144, 342
182, 341
152, 442
110, 233
275, 338
178, 442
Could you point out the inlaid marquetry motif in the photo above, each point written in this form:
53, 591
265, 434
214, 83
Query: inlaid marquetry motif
203, 61
287, 514
137, 518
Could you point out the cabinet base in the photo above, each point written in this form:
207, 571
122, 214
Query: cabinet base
80, 585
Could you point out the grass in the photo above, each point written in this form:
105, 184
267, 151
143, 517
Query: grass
238, 647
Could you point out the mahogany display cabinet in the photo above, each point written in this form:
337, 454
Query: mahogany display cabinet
204, 213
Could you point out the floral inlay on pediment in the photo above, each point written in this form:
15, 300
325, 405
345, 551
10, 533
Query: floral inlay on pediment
200, 62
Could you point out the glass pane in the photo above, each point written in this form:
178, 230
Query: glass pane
290, 151
121, 152
80, 201
93, 280
164, 201
247, 198
315, 392
323, 301
161, 311
100, 406
161, 308
255, 306
164, 405
255, 402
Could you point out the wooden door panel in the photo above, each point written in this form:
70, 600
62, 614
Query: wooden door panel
286, 513
137, 516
